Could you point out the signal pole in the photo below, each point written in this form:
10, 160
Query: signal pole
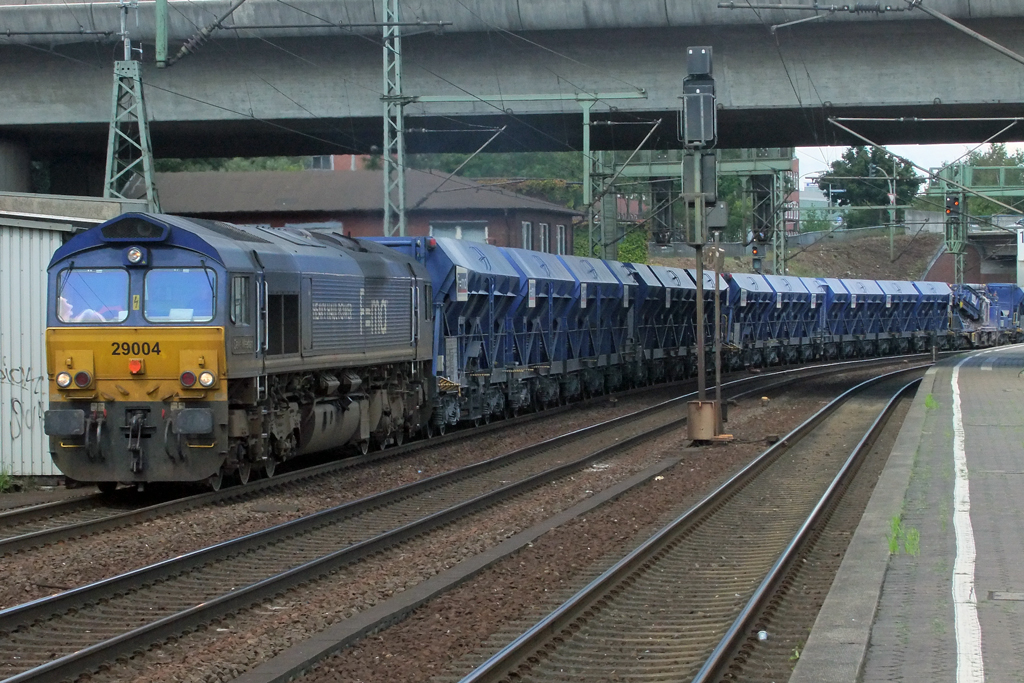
698, 120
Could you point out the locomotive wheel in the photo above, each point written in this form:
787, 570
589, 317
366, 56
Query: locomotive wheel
216, 480
428, 430
270, 466
400, 437
363, 446
244, 471
106, 486
487, 418
442, 428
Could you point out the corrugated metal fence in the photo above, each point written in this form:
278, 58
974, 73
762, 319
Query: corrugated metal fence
24, 390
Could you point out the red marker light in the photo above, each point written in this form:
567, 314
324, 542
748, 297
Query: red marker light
188, 379
135, 366
431, 243
83, 379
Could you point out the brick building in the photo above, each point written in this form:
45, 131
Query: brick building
353, 201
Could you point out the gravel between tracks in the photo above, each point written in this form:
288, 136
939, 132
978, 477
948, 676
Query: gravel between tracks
49, 570
520, 587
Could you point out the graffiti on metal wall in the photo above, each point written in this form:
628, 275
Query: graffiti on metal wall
27, 391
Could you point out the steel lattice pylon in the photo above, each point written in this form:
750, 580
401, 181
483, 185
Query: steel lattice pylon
129, 151
394, 123
778, 224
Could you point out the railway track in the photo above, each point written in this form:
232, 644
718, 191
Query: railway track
26, 528
678, 606
73, 632
30, 527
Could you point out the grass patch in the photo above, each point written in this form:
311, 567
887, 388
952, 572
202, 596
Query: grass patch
907, 538
930, 403
912, 542
6, 480
893, 536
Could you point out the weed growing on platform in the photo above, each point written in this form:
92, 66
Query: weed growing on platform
912, 542
795, 655
895, 531
930, 403
909, 536
6, 481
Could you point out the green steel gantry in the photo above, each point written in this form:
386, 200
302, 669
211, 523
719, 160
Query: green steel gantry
764, 172
959, 181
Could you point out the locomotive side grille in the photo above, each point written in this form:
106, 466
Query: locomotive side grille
350, 313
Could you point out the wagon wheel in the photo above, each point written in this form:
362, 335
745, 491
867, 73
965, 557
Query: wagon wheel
363, 446
270, 466
428, 430
216, 479
400, 436
442, 428
487, 418
244, 472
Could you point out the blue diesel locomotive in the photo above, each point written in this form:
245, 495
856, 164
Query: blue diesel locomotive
189, 350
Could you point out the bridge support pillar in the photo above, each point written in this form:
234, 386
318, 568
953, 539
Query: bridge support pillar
15, 169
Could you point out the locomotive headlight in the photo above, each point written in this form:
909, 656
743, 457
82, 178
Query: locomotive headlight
64, 380
207, 378
136, 256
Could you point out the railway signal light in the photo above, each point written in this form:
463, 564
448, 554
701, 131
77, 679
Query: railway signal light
952, 206
756, 262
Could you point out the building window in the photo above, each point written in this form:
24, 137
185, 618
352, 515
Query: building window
471, 231
322, 163
561, 239
545, 238
527, 235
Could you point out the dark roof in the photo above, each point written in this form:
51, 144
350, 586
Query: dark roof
213, 192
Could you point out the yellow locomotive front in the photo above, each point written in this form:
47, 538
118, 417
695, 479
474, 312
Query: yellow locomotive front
136, 358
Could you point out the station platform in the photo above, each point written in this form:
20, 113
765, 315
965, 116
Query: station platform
948, 604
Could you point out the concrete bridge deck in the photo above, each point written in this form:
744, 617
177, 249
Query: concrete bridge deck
303, 91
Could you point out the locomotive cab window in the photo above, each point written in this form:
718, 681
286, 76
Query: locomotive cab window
97, 295
241, 305
180, 295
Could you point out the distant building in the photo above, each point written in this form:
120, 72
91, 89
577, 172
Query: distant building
353, 202
811, 197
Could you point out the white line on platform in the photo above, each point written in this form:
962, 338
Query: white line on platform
970, 667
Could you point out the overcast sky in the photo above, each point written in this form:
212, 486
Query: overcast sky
814, 160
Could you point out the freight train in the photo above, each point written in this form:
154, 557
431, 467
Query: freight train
189, 350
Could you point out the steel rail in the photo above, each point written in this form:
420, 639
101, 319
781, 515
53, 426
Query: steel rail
507, 660
720, 656
92, 656
22, 516
98, 653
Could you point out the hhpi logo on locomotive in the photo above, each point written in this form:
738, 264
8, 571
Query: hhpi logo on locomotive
373, 313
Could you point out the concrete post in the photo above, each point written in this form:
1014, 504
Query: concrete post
15, 167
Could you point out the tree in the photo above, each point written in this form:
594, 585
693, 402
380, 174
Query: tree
861, 178
231, 164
